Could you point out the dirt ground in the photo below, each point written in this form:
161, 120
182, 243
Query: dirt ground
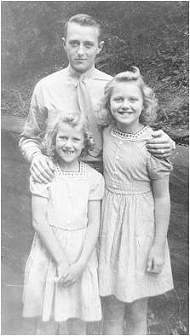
168, 313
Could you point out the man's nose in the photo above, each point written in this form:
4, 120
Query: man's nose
80, 49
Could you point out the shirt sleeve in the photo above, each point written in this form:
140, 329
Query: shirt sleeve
159, 168
35, 125
39, 189
97, 187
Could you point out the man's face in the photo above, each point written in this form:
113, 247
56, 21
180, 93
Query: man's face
82, 46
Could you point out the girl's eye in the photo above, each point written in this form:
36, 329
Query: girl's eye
62, 138
118, 99
133, 99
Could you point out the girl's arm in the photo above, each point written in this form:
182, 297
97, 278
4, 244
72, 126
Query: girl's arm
90, 241
161, 196
92, 232
39, 222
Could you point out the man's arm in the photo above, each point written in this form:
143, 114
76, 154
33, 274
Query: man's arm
160, 145
31, 139
34, 128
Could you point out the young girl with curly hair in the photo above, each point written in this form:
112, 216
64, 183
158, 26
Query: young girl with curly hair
134, 261
61, 280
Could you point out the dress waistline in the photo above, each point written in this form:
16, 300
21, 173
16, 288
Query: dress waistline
68, 229
130, 190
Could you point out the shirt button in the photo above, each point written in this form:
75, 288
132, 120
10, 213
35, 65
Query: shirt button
120, 142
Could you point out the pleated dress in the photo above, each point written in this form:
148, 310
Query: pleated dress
67, 214
128, 224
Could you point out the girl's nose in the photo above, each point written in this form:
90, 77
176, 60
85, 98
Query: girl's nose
68, 144
125, 103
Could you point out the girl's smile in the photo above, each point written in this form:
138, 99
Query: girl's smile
69, 144
126, 104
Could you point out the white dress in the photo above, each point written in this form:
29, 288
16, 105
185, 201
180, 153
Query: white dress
68, 195
128, 223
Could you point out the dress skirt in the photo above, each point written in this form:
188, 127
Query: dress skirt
126, 239
43, 297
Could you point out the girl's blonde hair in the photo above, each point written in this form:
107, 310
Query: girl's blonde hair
73, 120
148, 114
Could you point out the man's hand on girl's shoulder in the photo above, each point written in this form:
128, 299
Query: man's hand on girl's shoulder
160, 145
42, 168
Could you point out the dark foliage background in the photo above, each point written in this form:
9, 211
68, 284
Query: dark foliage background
152, 35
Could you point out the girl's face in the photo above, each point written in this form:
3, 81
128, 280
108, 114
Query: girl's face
69, 143
126, 104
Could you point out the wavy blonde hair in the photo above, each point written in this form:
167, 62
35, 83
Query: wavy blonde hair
73, 120
148, 114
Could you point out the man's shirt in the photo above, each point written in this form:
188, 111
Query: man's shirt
55, 95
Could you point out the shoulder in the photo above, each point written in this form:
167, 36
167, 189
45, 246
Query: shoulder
92, 174
96, 184
39, 189
43, 189
106, 131
51, 79
102, 75
146, 133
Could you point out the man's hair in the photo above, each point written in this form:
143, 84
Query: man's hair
83, 20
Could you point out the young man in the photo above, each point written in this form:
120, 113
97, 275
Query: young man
80, 86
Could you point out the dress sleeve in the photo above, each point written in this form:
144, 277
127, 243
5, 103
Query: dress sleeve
39, 189
96, 188
159, 168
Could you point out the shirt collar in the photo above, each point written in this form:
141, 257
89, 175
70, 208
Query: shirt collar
75, 75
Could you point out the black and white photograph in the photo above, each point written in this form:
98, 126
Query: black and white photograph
94, 168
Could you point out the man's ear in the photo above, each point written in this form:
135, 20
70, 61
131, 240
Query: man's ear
100, 46
64, 41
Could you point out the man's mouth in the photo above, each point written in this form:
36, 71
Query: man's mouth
80, 59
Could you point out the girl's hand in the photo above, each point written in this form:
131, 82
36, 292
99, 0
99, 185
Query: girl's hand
72, 274
155, 259
62, 270
42, 168
160, 145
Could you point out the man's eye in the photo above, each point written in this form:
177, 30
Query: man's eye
88, 45
76, 139
74, 43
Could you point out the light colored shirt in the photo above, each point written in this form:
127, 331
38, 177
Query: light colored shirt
56, 94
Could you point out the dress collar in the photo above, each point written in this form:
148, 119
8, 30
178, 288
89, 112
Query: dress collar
124, 135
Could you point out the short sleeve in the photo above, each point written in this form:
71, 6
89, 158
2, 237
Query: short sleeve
159, 168
39, 189
97, 187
